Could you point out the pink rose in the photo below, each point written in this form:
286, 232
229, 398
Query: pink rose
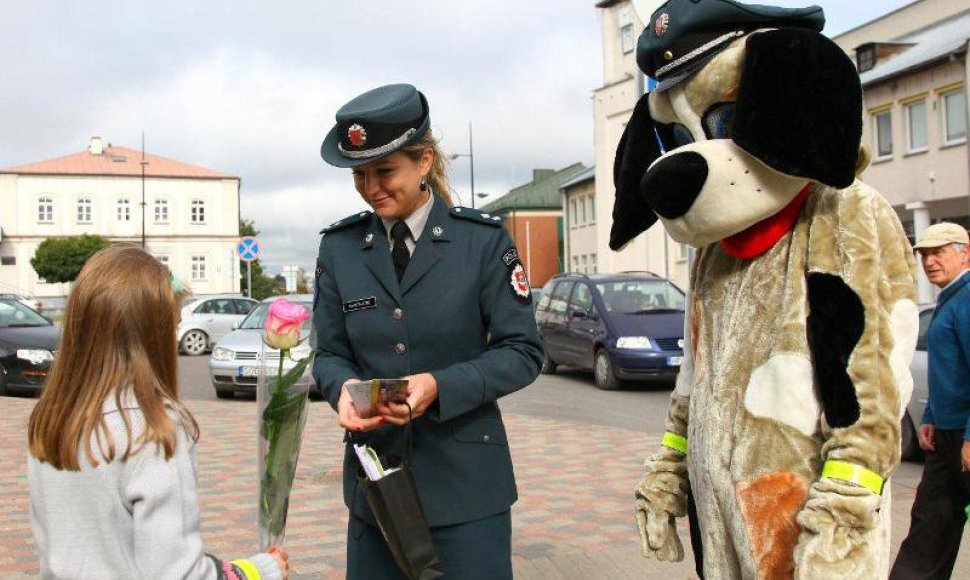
283, 322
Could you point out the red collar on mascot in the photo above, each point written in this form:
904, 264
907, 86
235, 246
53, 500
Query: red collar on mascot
757, 239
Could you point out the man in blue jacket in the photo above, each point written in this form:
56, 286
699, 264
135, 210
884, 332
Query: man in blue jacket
938, 516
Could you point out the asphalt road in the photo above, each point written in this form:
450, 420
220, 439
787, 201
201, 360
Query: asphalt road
568, 395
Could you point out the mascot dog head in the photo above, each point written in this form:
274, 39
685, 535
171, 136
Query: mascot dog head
752, 105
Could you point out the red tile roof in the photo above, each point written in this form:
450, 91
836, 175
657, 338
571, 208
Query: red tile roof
116, 161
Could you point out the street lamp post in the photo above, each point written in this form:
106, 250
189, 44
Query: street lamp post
143, 163
471, 161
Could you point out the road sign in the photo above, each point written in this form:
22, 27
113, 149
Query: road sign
247, 248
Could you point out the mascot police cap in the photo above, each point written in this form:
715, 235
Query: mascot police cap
376, 124
684, 35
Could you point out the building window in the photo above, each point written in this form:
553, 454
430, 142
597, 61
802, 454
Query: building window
124, 210
45, 210
592, 264
84, 210
198, 211
916, 127
582, 211
884, 134
866, 58
163, 260
198, 267
8, 260
591, 209
575, 264
161, 211
573, 213
954, 117
628, 39
683, 254
584, 263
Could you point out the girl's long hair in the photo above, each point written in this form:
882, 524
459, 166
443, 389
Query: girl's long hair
118, 340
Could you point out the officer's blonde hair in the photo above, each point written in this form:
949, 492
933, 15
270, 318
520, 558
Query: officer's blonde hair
438, 176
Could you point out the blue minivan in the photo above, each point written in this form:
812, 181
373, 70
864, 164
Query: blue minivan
625, 326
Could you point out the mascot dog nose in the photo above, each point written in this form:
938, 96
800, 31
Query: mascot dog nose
674, 182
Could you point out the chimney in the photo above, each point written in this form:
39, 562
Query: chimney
95, 148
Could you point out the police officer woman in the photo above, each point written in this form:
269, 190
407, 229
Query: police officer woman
419, 289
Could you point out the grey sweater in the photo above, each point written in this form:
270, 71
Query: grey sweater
125, 519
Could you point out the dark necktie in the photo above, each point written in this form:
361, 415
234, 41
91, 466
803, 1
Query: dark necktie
400, 253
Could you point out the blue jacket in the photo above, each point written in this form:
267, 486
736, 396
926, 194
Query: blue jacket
948, 355
455, 314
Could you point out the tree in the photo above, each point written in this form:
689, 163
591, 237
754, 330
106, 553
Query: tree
61, 259
263, 285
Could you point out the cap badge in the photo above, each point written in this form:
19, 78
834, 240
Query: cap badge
356, 135
660, 25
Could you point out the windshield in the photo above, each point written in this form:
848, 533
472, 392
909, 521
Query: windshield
258, 316
641, 296
14, 314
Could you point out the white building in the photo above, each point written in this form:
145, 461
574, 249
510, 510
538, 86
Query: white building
613, 103
187, 216
293, 275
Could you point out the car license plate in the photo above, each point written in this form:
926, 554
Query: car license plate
674, 361
248, 371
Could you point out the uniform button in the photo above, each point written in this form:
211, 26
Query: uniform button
398, 314
399, 348
485, 438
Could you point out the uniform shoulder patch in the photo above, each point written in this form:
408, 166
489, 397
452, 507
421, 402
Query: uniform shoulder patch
346, 222
473, 215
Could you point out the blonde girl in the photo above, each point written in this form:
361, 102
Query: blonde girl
112, 466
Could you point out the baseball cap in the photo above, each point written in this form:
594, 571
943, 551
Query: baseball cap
942, 234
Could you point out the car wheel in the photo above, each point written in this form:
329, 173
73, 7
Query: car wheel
603, 372
226, 393
194, 342
548, 365
909, 442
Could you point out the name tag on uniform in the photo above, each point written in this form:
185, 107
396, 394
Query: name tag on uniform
360, 304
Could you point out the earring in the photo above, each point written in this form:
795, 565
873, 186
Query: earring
424, 184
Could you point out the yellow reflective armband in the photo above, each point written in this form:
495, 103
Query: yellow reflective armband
248, 568
845, 471
675, 442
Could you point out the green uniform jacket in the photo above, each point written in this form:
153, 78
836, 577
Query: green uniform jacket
459, 313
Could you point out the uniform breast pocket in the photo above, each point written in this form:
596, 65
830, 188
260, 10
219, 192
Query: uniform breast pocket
484, 428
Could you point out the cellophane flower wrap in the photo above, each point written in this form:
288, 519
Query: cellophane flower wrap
281, 400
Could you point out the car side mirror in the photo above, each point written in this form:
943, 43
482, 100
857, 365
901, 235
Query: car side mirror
579, 314
235, 325
921, 343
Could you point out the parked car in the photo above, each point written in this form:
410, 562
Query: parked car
234, 363
207, 319
917, 403
28, 342
25, 300
627, 326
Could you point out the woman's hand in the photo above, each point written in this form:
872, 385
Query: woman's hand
282, 559
349, 419
422, 392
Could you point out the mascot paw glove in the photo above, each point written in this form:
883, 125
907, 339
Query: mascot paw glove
661, 496
838, 527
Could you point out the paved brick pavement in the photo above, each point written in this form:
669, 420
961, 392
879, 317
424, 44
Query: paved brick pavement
573, 519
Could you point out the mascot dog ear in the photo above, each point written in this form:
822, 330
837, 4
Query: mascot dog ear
638, 148
799, 106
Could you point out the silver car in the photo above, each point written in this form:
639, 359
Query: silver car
207, 319
234, 364
917, 403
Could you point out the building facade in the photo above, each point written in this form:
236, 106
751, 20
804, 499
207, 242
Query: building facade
613, 103
533, 215
913, 66
580, 253
187, 216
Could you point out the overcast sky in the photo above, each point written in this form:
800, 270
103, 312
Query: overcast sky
251, 87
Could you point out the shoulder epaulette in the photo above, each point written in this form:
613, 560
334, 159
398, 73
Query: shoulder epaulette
473, 215
347, 221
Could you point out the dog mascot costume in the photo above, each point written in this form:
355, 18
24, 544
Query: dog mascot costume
802, 317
